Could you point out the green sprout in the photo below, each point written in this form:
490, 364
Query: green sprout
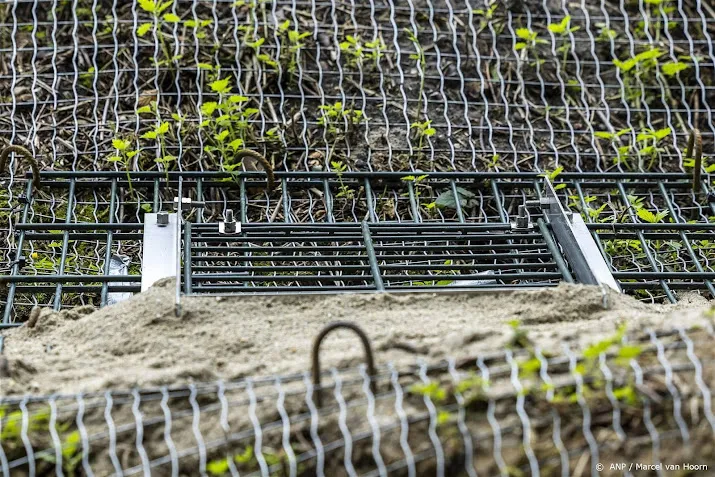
294, 41
486, 15
422, 130
563, 29
605, 34
124, 155
345, 191
419, 55
335, 116
156, 10
647, 145
529, 43
227, 122
552, 175
356, 51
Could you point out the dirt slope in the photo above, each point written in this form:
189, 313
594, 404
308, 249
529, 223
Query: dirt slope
140, 342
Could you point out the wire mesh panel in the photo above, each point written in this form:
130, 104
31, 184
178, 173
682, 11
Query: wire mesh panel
336, 89
368, 257
380, 85
642, 398
73, 230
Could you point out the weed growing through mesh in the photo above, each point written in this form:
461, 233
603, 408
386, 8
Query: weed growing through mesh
419, 56
294, 40
563, 29
357, 52
486, 15
647, 146
339, 120
529, 42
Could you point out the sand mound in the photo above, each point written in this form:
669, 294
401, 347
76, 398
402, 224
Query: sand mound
140, 342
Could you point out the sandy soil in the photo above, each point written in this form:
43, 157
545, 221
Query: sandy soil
140, 342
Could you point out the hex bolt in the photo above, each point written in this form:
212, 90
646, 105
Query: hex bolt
229, 224
162, 219
522, 220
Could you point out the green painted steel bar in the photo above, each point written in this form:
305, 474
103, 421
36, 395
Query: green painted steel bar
518, 276
328, 202
395, 176
187, 257
500, 205
156, 206
489, 257
108, 253
414, 206
372, 258
395, 266
458, 205
393, 247
555, 252
244, 200
200, 198
16, 267
370, 201
57, 278
65, 245
286, 202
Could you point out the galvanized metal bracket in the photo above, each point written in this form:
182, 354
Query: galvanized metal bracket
160, 255
572, 235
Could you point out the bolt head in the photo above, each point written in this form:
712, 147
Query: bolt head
162, 219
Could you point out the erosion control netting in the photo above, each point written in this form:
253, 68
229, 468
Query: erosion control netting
340, 89
644, 398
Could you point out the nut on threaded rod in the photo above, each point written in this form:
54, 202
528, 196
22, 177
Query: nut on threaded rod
229, 224
523, 219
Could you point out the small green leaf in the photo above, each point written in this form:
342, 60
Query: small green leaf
221, 86
148, 5
143, 29
164, 6
629, 352
120, 144
525, 34
218, 467
673, 68
163, 128
662, 133
235, 144
209, 108
604, 135
144, 109
171, 18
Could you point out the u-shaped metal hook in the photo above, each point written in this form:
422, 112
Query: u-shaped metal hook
30, 158
369, 360
695, 152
